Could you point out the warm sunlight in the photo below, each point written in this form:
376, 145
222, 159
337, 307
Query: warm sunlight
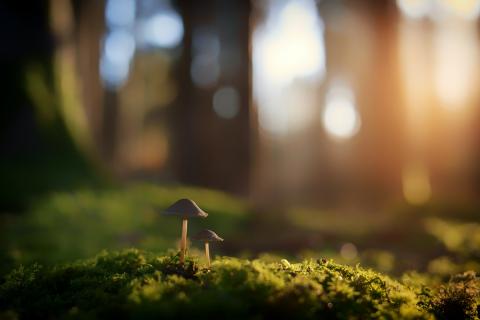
240, 159
287, 48
455, 52
340, 117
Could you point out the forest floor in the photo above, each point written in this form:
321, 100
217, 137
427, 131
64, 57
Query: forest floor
142, 285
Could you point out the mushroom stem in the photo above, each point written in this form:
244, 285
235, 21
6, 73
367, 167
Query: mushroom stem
207, 253
183, 243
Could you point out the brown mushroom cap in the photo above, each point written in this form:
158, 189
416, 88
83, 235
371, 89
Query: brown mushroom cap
207, 236
185, 208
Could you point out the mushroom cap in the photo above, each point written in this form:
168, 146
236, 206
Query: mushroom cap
207, 236
185, 208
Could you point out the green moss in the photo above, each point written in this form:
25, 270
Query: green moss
136, 284
462, 238
459, 298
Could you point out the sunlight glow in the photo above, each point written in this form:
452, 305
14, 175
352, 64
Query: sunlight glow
439, 9
288, 58
289, 46
340, 117
467, 9
456, 62
440, 61
415, 8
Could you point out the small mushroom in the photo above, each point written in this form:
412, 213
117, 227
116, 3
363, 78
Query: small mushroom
184, 208
207, 236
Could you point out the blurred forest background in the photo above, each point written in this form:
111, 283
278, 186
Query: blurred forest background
333, 128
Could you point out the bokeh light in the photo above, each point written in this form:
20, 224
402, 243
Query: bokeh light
416, 184
205, 71
118, 51
226, 102
340, 117
113, 75
205, 68
119, 47
164, 29
348, 251
120, 13
119, 43
206, 41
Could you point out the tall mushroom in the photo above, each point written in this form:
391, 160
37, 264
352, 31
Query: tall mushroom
184, 208
207, 236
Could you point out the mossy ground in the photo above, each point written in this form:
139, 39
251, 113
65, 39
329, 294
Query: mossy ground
136, 284
65, 226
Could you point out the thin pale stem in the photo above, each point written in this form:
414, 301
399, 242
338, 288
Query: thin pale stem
183, 243
207, 253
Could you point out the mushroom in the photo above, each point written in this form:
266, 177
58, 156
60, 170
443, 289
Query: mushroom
207, 236
184, 208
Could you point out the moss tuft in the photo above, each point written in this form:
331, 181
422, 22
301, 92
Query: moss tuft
137, 284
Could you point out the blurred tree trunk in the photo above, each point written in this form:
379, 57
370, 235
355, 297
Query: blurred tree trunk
181, 122
77, 27
209, 150
90, 27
